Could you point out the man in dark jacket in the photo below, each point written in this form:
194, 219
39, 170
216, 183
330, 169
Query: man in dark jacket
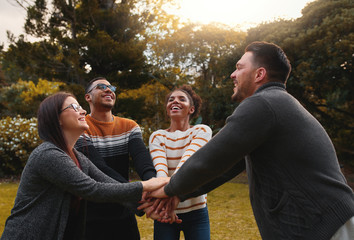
297, 190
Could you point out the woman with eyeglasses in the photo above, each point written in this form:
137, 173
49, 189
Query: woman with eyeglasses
57, 180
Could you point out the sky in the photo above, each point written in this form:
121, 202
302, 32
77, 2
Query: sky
235, 13
244, 14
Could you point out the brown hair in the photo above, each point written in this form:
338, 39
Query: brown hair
49, 128
194, 98
272, 58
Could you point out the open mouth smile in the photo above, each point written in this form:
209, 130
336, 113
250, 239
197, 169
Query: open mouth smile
110, 97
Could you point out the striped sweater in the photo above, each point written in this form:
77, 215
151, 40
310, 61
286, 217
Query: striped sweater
169, 150
109, 145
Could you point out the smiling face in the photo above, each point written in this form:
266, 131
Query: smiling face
72, 121
179, 106
244, 78
99, 98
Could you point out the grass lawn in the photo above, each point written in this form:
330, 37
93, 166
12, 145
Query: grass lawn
229, 211
7, 199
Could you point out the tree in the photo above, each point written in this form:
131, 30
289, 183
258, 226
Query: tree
82, 39
191, 54
320, 48
196, 54
23, 98
146, 106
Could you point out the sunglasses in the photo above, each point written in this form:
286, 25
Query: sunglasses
103, 87
74, 106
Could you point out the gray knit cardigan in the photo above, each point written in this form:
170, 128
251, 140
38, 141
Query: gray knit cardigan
48, 181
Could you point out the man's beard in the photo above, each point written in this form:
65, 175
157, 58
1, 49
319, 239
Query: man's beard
235, 97
107, 106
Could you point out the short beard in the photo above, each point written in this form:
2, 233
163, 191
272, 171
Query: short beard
107, 106
234, 97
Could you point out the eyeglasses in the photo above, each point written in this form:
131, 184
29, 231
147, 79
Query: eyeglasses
74, 106
103, 86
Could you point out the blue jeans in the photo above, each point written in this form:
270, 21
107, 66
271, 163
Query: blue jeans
195, 226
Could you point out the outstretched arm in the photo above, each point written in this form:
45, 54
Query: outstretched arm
230, 174
247, 128
233, 172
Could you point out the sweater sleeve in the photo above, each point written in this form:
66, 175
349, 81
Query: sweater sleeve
141, 156
99, 176
84, 145
227, 176
158, 155
57, 167
249, 126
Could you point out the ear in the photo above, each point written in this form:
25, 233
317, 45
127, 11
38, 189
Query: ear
88, 97
260, 74
191, 110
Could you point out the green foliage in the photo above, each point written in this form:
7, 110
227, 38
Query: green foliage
23, 98
146, 106
18, 137
139, 47
80, 40
197, 54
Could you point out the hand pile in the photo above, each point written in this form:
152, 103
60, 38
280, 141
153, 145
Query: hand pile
156, 204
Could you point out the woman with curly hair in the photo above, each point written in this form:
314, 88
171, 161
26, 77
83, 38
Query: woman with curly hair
169, 149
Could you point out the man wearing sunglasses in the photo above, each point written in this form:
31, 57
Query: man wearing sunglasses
109, 143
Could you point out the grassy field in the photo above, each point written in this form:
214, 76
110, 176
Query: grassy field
7, 198
229, 211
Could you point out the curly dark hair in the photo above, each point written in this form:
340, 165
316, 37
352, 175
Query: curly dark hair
194, 98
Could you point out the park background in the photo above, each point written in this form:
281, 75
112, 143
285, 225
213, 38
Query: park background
145, 51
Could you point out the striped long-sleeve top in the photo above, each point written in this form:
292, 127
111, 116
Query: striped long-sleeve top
169, 150
109, 145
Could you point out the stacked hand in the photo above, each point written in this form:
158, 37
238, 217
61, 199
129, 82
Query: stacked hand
156, 204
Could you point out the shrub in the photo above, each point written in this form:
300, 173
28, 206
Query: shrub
24, 97
18, 137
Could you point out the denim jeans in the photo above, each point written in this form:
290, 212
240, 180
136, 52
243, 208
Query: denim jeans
195, 226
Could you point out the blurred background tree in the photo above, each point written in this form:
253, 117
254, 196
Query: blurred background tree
196, 54
23, 98
146, 52
79, 40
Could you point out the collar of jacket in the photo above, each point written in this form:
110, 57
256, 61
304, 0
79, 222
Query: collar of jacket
271, 84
